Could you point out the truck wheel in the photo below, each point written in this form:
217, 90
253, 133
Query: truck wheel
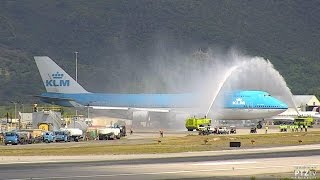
190, 129
46, 141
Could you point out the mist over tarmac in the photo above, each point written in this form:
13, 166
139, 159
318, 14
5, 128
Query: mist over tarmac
201, 71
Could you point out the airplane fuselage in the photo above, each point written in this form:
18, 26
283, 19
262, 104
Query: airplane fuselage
236, 105
63, 90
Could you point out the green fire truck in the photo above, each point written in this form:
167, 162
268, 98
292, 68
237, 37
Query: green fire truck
304, 121
196, 123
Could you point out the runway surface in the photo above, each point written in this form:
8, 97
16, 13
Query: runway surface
223, 166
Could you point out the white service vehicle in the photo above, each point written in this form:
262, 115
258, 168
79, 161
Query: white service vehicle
74, 133
223, 130
109, 133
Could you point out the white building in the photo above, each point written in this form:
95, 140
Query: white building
302, 101
307, 105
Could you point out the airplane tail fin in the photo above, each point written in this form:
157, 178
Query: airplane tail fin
55, 79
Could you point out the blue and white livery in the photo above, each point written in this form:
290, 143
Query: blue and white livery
63, 90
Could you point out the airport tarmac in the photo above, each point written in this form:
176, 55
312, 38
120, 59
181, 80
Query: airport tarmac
143, 136
154, 133
263, 163
173, 168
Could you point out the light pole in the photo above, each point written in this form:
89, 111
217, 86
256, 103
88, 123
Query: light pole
76, 53
22, 114
88, 112
15, 112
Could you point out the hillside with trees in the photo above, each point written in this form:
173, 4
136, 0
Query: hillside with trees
119, 39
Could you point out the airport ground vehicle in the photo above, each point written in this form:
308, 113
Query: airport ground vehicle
11, 138
109, 133
25, 137
48, 137
223, 130
16, 137
253, 130
123, 131
205, 130
61, 136
195, 123
44, 126
75, 134
105, 134
33, 132
304, 121
233, 130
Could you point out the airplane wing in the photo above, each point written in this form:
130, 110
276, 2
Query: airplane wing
56, 99
151, 109
285, 118
128, 108
75, 104
53, 98
109, 108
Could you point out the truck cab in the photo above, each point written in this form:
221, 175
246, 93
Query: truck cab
48, 137
123, 131
304, 121
61, 136
11, 138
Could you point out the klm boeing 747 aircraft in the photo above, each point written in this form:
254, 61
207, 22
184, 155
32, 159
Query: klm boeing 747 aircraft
63, 90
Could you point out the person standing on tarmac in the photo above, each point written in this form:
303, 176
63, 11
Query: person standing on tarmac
267, 129
161, 133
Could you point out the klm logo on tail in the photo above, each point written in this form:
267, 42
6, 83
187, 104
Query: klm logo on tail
57, 80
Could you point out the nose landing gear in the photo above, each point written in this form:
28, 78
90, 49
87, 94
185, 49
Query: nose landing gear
259, 126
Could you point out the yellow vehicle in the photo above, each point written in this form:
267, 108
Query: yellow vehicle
304, 121
197, 123
44, 126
